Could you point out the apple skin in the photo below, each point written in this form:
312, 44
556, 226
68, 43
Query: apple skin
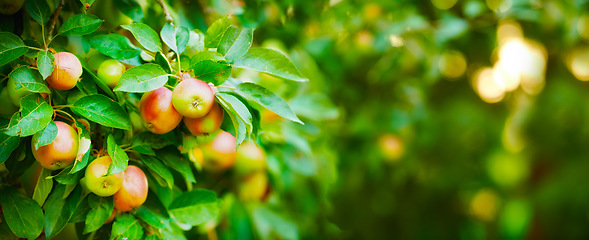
133, 192
253, 187
156, 109
67, 71
207, 124
250, 159
99, 184
8, 108
61, 152
193, 98
110, 71
219, 154
16, 94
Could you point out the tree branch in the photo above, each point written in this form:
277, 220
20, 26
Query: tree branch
54, 20
166, 11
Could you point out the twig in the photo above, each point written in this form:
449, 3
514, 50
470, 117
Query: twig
54, 20
166, 12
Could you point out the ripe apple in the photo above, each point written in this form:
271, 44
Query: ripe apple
133, 192
110, 71
61, 152
16, 94
193, 98
207, 124
97, 182
250, 159
157, 111
220, 153
67, 71
253, 187
7, 108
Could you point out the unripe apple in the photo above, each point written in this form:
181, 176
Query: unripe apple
7, 108
110, 71
133, 192
67, 71
16, 94
157, 111
250, 159
193, 98
97, 182
61, 152
220, 153
253, 187
207, 124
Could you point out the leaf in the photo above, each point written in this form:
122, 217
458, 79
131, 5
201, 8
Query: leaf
267, 99
211, 71
118, 156
31, 53
150, 218
172, 158
115, 46
145, 35
90, 74
84, 147
45, 63
102, 110
158, 167
58, 210
100, 209
39, 10
234, 106
131, 8
317, 107
34, 115
23, 215
43, 187
236, 42
80, 24
45, 136
238, 124
11, 47
81, 211
269, 61
30, 79
67, 177
175, 37
145, 141
161, 60
126, 227
268, 222
143, 78
194, 207
7, 145
216, 32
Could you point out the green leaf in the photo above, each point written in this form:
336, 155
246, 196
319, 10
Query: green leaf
45, 63
126, 227
161, 60
30, 79
31, 53
81, 211
194, 207
58, 210
236, 42
150, 218
145, 141
43, 187
234, 106
158, 167
45, 136
115, 46
5, 232
211, 71
238, 124
131, 8
34, 115
67, 177
271, 224
217, 31
145, 35
267, 99
143, 78
100, 209
317, 107
119, 157
23, 215
175, 37
80, 24
102, 110
269, 61
39, 10
172, 158
11, 47
90, 74
7, 145
87, 86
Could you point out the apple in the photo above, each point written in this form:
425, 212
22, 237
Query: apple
253, 187
16, 94
8, 108
250, 159
67, 71
220, 153
110, 71
97, 182
193, 98
133, 192
61, 152
157, 110
207, 124
197, 157
9, 7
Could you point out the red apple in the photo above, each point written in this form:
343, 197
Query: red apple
157, 111
220, 153
97, 181
193, 98
133, 192
207, 124
67, 71
61, 152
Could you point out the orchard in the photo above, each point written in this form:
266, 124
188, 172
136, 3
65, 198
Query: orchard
231, 119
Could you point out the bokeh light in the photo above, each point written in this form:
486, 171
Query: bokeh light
443, 4
484, 204
452, 64
486, 86
578, 63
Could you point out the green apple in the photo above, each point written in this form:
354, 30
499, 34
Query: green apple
110, 71
193, 98
16, 94
8, 108
97, 181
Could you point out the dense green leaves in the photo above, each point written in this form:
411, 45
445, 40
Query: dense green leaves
100, 209
80, 24
131, 8
210, 66
269, 61
145, 35
115, 46
239, 113
59, 208
159, 168
7, 145
23, 215
39, 10
11, 47
45, 63
145, 141
88, 74
45, 136
102, 110
30, 79
194, 207
175, 37
126, 227
118, 156
43, 187
142, 78
33, 116
267, 99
